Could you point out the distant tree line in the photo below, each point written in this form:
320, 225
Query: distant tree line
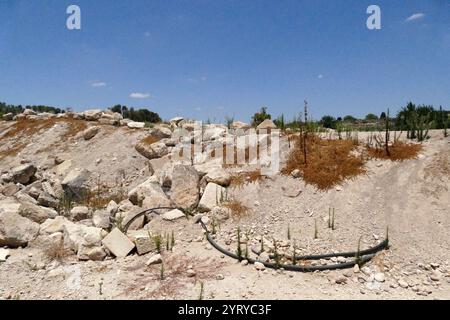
16, 109
140, 115
410, 118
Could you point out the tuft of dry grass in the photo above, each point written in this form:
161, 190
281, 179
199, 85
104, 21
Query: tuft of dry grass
56, 251
236, 208
399, 151
103, 193
241, 179
328, 162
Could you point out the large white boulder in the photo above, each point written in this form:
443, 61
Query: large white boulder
152, 151
118, 243
185, 187
76, 182
15, 230
92, 115
213, 196
147, 189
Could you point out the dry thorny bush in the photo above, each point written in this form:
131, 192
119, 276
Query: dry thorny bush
243, 178
237, 209
56, 251
328, 162
175, 278
398, 151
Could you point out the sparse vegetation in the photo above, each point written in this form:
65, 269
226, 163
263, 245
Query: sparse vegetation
240, 179
157, 240
331, 218
56, 251
237, 209
161, 271
398, 151
200, 296
239, 249
330, 162
316, 230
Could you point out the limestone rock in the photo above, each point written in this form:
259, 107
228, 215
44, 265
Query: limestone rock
152, 151
118, 243
135, 125
212, 197
15, 230
76, 183
155, 259
173, 215
218, 176
36, 213
79, 213
23, 173
185, 188
91, 132
92, 115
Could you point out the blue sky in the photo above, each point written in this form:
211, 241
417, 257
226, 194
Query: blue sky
212, 58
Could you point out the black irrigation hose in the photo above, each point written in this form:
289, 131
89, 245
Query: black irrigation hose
363, 258
364, 255
382, 245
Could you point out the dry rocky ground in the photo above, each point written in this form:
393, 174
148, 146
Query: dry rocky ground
64, 197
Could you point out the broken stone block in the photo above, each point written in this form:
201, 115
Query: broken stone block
173, 215
155, 259
118, 243
143, 241
212, 196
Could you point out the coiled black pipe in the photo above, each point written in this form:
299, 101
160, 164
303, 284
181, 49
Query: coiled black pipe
291, 267
361, 257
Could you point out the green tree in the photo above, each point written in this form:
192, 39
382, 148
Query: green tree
328, 122
371, 117
349, 118
260, 116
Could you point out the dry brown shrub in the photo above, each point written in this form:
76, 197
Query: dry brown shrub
328, 162
237, 209
56, 251
398, 151
241, 179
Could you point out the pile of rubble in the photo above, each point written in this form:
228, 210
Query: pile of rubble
39, 207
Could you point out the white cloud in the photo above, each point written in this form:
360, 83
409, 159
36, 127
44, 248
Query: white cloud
98, 84
415, 16
198, 109
139, 95
320, 76
147, 34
